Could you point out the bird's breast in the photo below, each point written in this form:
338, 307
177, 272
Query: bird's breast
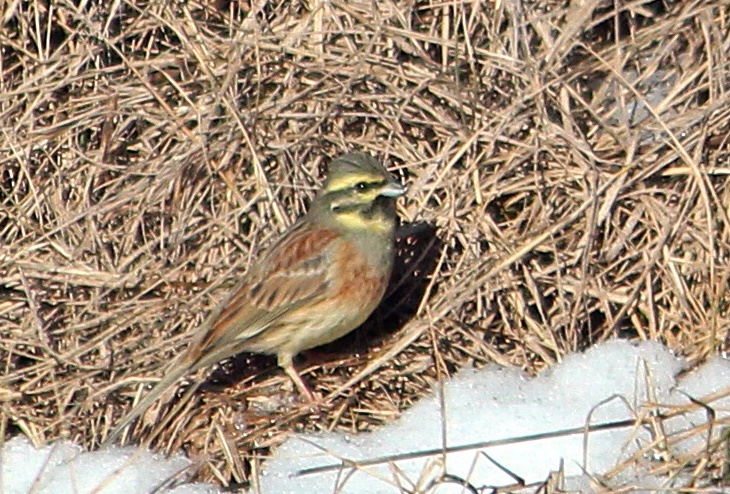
356, 290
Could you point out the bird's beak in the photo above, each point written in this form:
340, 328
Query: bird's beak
393, 189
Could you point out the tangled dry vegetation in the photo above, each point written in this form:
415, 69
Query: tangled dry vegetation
567, 165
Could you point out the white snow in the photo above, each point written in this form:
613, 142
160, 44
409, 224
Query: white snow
63, 468
612, 382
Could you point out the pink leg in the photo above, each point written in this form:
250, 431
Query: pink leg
285, 362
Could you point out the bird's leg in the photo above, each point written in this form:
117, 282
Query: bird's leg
286, 363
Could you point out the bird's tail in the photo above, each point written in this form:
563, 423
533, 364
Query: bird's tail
142, 405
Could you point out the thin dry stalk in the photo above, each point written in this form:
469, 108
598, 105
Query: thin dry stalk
567, 164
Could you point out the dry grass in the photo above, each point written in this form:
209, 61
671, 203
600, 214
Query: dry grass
149, 152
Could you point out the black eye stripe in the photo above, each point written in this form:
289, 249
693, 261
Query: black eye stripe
365, 186
356, 196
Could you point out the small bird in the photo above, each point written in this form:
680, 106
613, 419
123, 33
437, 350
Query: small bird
319, 281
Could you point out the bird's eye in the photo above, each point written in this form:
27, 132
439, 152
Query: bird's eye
361, 186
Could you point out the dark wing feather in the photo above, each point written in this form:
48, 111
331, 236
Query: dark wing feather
296, 271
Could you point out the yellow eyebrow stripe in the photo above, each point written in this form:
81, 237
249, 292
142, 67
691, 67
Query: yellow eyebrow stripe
349, 180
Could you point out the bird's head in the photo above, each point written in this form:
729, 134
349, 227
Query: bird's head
360, 194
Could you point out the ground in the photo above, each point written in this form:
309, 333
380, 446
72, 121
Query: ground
567, 174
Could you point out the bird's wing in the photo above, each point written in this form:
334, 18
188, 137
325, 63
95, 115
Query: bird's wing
296, 271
